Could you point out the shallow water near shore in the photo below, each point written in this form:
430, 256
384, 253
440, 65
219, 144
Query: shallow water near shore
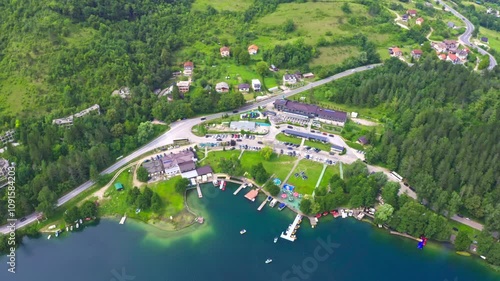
340, 249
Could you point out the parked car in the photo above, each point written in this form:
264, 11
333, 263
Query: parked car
235, 111
23, 219
289, 127
203, 118
259, 142
330, 135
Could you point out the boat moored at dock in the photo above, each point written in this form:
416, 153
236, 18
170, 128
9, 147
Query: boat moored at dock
273, 203
282, 206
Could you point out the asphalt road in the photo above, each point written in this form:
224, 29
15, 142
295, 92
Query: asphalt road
465, 38
182, 129
179, 130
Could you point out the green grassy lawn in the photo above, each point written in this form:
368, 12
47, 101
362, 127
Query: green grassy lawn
493, 37
319, 145
214, 157
173, 201
465, 228
312, 170
284, 138
223, 5
312, 20
279, 165
329, 172
334, 55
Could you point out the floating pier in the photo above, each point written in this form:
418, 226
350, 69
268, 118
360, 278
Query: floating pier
240, 188
122, 221
289, 234
198, 188
262, 205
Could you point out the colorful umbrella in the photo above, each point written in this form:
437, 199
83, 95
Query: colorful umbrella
283, 196
296, 194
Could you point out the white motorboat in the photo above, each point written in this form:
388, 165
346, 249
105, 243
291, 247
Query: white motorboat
269, 260
275, 239
243, 231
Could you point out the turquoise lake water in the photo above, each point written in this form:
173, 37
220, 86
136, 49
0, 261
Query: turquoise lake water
340, 250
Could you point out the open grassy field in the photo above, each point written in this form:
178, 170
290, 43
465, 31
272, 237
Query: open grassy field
319, 145
173, 201
223, 5
284, 138
279, 165
329, 172
214, 157
334, 55
312, 20
312, 170
493, 37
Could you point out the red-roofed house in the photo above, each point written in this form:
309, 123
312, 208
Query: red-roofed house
442, 56
416, 54
412, 13
396, 52
253, 49
188, 68
224, 52
419, 21
453, 58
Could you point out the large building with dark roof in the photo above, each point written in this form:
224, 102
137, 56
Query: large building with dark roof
311, 111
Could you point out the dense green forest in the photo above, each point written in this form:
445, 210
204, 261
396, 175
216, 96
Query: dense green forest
441, 132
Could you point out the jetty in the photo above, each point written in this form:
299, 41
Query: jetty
198, 188
240, 188
289, 234
262, 205
122, 221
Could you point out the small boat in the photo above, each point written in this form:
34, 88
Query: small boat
81, 222
351, 213
281, 206
49, 236
269, 198
223, 185
273, 203
57, 233
71, 228
66, 229
243, 231
77, 225
275, 239
483, 257
215, 183
269, 260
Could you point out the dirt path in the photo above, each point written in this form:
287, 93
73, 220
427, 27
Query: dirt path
364, 122
429, 35
397, 19
100, 193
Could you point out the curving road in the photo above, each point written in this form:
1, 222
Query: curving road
182, 129
465, 38
179, 130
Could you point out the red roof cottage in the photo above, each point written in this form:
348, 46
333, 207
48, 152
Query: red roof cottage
453, 58
224, 52
416, 54
396, 52
419, 21
412, 13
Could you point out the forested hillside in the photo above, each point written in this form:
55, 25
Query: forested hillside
441, 132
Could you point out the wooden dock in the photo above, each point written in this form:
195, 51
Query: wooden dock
262, 205
198, 188
289, 234
122, 221
240, 188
